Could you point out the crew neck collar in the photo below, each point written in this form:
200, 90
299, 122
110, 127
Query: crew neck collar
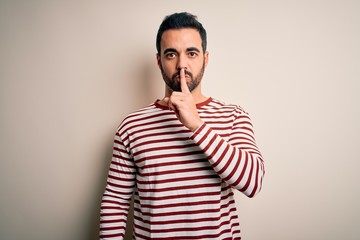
198, 105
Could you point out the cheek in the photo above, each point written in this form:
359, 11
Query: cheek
198, 66
168, 67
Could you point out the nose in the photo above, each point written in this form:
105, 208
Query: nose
182, 62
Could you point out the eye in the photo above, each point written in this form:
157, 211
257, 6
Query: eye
193, 54
170, 55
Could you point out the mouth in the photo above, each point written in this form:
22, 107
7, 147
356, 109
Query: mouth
177, 77
188, 75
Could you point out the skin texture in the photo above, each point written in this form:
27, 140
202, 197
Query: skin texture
181, 53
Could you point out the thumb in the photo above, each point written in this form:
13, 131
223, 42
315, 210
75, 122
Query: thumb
166, 100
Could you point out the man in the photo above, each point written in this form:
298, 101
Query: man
181, 156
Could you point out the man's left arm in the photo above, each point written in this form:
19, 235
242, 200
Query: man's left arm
238, 161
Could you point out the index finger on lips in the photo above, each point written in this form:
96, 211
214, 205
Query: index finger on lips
184, 86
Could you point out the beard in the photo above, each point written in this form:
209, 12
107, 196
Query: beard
174, 83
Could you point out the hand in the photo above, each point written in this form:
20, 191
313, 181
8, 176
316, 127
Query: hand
184, 105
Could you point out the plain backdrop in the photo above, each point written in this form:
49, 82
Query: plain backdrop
70, 71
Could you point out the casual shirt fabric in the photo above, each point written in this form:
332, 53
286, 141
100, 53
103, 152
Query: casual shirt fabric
182, 181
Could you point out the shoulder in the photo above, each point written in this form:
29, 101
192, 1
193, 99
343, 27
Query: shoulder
235, 108
136, 116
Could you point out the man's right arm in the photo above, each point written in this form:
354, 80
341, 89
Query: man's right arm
118, 192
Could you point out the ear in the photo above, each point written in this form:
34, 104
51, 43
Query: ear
206, 58
158, 59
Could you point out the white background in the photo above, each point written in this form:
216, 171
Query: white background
70, 71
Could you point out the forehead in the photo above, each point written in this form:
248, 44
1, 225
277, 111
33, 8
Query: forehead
180, 39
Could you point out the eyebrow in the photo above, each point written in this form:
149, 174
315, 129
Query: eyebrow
190, 49
169, 50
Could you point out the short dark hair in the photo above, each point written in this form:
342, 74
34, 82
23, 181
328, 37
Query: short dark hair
179, 21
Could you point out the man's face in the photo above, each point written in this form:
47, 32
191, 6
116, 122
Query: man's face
181, 48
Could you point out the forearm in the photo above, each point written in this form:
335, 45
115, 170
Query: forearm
239, 164
113, 216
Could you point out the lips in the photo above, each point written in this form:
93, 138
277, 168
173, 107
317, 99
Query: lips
188, 75
177, 77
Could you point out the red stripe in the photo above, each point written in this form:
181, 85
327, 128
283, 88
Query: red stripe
212, 140
128, 122
112, 235
171, 133
120, 185
114, 221
122, 163
129, 173
160, 173
195, 220
170, 155
142, 130
243, 169
183, 179
183, 163
198, 237
175, 213
179, 188
147, 150
215, 148
106, 196
235, 169
256, 182
242, 140
159, 141
189, 229
179, 196
113, 214
250, 175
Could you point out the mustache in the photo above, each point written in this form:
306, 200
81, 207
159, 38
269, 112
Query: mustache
178, 74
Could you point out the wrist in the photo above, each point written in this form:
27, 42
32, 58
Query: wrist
195, 125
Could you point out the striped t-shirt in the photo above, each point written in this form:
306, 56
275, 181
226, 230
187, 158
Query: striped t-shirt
181, 180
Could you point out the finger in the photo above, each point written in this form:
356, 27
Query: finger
167, 101
184, 86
